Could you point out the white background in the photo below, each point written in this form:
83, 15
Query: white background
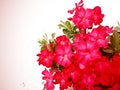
22, 24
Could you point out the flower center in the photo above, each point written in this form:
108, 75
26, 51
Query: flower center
62, 42
83, 19
65, 55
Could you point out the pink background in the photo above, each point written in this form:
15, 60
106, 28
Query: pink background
22, 24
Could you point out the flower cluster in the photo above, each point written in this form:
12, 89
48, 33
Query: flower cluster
86, 56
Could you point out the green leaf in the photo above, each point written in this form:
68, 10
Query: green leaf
65, 31
61, 26
117, 28
67, 23
69, 29
115, 41
43, 42
53, 35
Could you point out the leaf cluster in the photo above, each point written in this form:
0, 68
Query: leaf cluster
69, 29
45, 42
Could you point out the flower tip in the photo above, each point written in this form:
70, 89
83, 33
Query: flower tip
71, 11
70, 18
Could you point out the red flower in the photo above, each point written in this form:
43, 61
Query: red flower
83, 18
62, 79
72, 72
63, 55
86, 79
116, 86
98, 37
116, 68
116, 57
85, 51
98, 16
102, 68
62, 40
46, 58
49, 85
77, 7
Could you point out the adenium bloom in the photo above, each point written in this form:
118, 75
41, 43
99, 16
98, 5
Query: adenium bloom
49, 85
87, 81
72, 72
98, 16
102, 68
116, 69
62, 41
99, 35
63, 51
83, 18
46, 58
63, 55
105, 30
62, 80
85, 51
77, 7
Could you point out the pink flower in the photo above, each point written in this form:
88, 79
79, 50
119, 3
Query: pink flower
63, 55
62, 40
79, 37
98, 37
83, 18
72, 72
46, 58
62, 80
63, 51
77, 7
86, 79
48, 76
85, 51
98, 16
106, 29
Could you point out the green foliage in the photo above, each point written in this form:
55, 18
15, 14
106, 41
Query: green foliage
117, 28
46, 42
69, 29
115, 41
